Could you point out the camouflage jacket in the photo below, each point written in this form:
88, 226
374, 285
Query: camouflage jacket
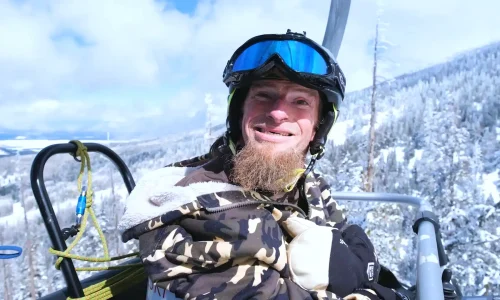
201, 237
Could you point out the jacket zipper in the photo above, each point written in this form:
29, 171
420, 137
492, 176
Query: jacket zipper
247, 203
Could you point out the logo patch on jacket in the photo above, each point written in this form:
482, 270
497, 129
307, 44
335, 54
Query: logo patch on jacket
370, 270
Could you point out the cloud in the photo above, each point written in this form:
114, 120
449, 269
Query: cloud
145, 67
428, 32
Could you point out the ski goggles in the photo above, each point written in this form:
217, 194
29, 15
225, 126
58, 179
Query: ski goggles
304, 57
297, 55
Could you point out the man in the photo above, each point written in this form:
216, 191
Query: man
248, 220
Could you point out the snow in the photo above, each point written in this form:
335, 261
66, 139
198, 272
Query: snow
484, 236
370, 217
382, 117
16, 215
489, 186
8, 179
339, 132
402, 253
2, 152
417, 156
458, 191
366, 129
384, 153
400, 154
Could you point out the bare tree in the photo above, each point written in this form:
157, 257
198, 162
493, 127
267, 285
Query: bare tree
114, 205
6, 290
379, 45
28, 246
7, 295
49, 267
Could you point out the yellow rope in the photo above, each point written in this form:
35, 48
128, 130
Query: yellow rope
133, 273
113, 286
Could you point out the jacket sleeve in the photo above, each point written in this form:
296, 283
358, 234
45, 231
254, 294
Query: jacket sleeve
333, 212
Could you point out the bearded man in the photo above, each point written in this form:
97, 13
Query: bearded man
250, 220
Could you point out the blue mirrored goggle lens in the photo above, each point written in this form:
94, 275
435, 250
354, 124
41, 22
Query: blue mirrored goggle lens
298, 56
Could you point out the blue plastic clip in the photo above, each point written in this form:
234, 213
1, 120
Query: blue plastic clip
80, 207
18, 250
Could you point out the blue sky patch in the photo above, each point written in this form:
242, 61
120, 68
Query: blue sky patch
184, 6
68, 34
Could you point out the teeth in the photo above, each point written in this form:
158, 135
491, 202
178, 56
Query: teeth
271, 132
276, 133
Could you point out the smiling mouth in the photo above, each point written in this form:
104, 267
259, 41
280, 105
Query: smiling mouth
272, 132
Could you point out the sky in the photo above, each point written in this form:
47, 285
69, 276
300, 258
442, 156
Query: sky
143, 68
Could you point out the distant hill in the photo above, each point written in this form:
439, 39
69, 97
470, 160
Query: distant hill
9, 134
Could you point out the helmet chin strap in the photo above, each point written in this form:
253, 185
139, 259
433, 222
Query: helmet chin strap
311, 164
227, 144
301, 183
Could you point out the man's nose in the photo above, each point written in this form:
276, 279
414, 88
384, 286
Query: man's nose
278, 111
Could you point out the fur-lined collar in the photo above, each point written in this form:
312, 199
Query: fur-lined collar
156, 194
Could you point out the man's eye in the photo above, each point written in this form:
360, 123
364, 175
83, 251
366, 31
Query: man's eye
302, 102
262, 96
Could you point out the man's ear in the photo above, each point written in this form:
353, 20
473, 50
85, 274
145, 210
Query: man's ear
315, 130
319, 119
